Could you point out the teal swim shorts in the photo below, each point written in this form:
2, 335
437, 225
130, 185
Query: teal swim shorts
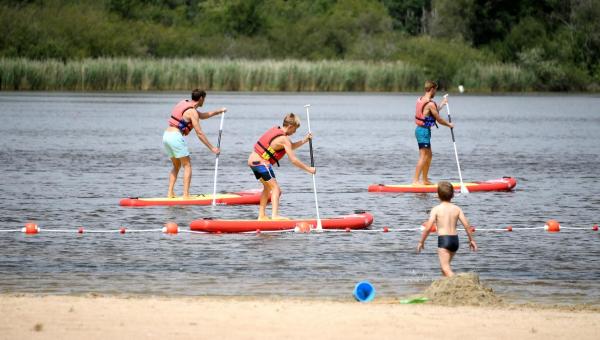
175, 145
423, 136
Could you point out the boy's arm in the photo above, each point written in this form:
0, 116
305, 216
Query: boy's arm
201, 136
287, 145
301, 142
467, 226
426, 231
206, 115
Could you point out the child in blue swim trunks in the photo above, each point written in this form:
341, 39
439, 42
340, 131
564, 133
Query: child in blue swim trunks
270, 149
445, 216
426, 116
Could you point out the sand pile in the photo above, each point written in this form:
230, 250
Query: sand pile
461, 289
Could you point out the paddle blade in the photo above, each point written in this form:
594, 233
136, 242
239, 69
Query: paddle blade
319, 225
463, 189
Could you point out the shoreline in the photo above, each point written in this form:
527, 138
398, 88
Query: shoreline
123, 317
452, 92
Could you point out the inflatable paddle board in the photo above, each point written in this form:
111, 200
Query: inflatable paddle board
242, 197
358, 220
501, 184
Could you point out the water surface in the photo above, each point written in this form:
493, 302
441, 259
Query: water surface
67, 158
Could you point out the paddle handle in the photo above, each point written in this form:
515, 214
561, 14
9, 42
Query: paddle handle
310, 145
214, 202
312, 158
319, 224
462, 186
450, 119
312, 163
220, 131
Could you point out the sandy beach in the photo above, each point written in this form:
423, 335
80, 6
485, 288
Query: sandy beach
106, 317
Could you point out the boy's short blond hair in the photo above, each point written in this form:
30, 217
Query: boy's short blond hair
291, 120
445, 191
430, 84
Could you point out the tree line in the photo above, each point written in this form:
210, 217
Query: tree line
556, 42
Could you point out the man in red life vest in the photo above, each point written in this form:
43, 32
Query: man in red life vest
426, 115
184, 119
268, 150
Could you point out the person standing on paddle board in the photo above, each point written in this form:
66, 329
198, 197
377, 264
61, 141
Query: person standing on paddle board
427, 115
268, 150
445, 216
185, 117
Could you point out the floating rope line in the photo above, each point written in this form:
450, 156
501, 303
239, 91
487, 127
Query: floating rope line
172, 228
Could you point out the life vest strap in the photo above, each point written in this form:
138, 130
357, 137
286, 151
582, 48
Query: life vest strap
271, 155
427, 120
183, 125
424, 120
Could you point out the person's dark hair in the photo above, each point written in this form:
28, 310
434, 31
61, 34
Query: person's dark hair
197, 94
445, 191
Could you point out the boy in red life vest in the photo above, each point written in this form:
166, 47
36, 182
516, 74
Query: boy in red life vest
445, 216
426, 115
268, 150
184, 119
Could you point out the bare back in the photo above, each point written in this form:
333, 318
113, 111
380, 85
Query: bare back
446, 216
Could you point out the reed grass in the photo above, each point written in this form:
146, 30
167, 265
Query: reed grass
496, 77
129, 74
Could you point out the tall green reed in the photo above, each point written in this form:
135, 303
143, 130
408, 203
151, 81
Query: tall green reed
129, 74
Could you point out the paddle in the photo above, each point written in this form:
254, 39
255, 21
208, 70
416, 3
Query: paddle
214, 202
463, 188
312, 163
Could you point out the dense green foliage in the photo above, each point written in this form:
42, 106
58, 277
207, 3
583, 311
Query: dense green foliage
484, 44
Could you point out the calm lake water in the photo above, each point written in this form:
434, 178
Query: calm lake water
67, 158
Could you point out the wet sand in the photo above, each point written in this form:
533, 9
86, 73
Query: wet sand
106, 317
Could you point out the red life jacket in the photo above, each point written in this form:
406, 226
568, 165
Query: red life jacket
177, 120
420, 118
263, 145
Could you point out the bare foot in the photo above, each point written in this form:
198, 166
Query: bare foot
279, 218
171, 195
264, 218
427, 183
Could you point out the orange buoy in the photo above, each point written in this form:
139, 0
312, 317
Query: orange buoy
595, 227
433, 228
347, 230
30, 228
472, 229
509, 228
386, 229
170, 228
302, 227
122, 230
258, 231
552, 226
80, 230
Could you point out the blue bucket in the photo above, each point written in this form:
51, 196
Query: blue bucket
364, 291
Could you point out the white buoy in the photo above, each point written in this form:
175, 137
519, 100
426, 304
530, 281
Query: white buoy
461, 88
